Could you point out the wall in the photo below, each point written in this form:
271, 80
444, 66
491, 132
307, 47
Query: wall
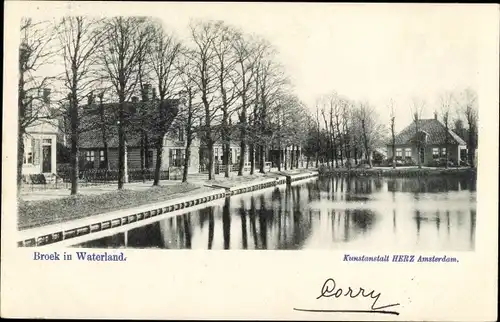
37, 168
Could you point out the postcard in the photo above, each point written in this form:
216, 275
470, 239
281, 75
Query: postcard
280, 161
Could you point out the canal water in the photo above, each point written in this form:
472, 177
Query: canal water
434, 214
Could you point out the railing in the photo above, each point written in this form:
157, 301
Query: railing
105, 175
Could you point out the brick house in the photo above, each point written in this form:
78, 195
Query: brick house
432, 137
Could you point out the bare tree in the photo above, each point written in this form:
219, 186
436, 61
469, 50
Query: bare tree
417, 108
248, 54
193, 109
203, 56
270, 82
467, 102
372, 132
393, 132
226, 62
164, 51
36, 50
80, 39
126, 38
446, 100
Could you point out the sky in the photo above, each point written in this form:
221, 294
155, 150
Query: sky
364, 52
371, 53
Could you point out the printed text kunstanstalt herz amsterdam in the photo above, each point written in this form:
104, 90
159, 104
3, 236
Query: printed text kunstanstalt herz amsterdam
400, 258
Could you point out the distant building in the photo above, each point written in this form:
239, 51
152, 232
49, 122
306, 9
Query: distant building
40, 140
432, 135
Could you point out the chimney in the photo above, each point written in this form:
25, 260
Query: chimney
46, 95
135, 99
435, 115
145, 92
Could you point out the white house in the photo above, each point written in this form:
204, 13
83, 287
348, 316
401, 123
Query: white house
40, 142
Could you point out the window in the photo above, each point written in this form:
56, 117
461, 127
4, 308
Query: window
398, 153
176, 157
408, 153
89, 159
101, 156
29, 151
216, 154
443, 152
89, 156
47, 141
435, 153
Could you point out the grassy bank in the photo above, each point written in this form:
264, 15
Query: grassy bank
398, 172
45, 212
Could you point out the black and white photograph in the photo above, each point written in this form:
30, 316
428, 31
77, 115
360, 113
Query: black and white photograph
193, 127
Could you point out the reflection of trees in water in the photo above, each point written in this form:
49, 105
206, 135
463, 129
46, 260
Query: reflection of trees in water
276, 195
264, 215
146, 236
175, 232
313, 191
348, 224
362, 219
210, 227
226, 222
472, 227
253, 227
243, 215
114, 241
430, 184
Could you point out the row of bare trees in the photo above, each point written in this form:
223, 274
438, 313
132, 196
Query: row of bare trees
343, 132
230, 83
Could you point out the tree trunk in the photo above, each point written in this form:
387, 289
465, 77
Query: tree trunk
393, 134
104, 132
252, 158
285, 161
210, 146
74, 143
307, 164
471, 146
241, 164
227, 151
143, 157
121, 144
296, 157
261, 159
20, 156
159, 152
280, 157
187, 156
292, 158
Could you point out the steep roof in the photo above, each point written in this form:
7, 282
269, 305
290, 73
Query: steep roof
91, 136
435, 132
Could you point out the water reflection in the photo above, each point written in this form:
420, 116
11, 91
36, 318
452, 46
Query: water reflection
433, 213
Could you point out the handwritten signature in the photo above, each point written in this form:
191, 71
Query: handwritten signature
329, 290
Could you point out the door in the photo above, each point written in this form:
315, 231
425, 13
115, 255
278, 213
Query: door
47, 159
